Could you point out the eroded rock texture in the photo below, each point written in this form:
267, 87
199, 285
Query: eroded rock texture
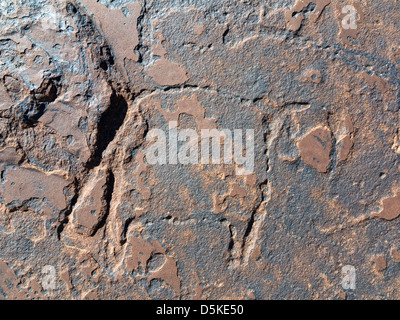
84, 215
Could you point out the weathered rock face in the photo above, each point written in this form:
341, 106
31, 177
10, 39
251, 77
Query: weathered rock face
305, 179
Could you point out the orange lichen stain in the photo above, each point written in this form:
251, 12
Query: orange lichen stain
315, 148
142, 167
348, 32
294, 17
189, 106
391, 208
119, 30
380, 263
164, 71
142, 251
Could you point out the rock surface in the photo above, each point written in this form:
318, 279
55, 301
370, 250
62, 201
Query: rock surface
85, 83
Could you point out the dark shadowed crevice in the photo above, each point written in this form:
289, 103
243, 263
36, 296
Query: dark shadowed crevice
231, 241
108, 197
125, 230
110, 121
310, 7
249, 228
64, 216
224, 35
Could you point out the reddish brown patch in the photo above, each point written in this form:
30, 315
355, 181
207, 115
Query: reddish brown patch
395, 254
9, 156
391, 208
380, 263
142, 251
22, 184
259, 259
164, 71
5, 100
315, 148
235, 191
118, 29
344, 34
374, 81
294, 22
66, 277
91, 295
345, 147
190, 106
